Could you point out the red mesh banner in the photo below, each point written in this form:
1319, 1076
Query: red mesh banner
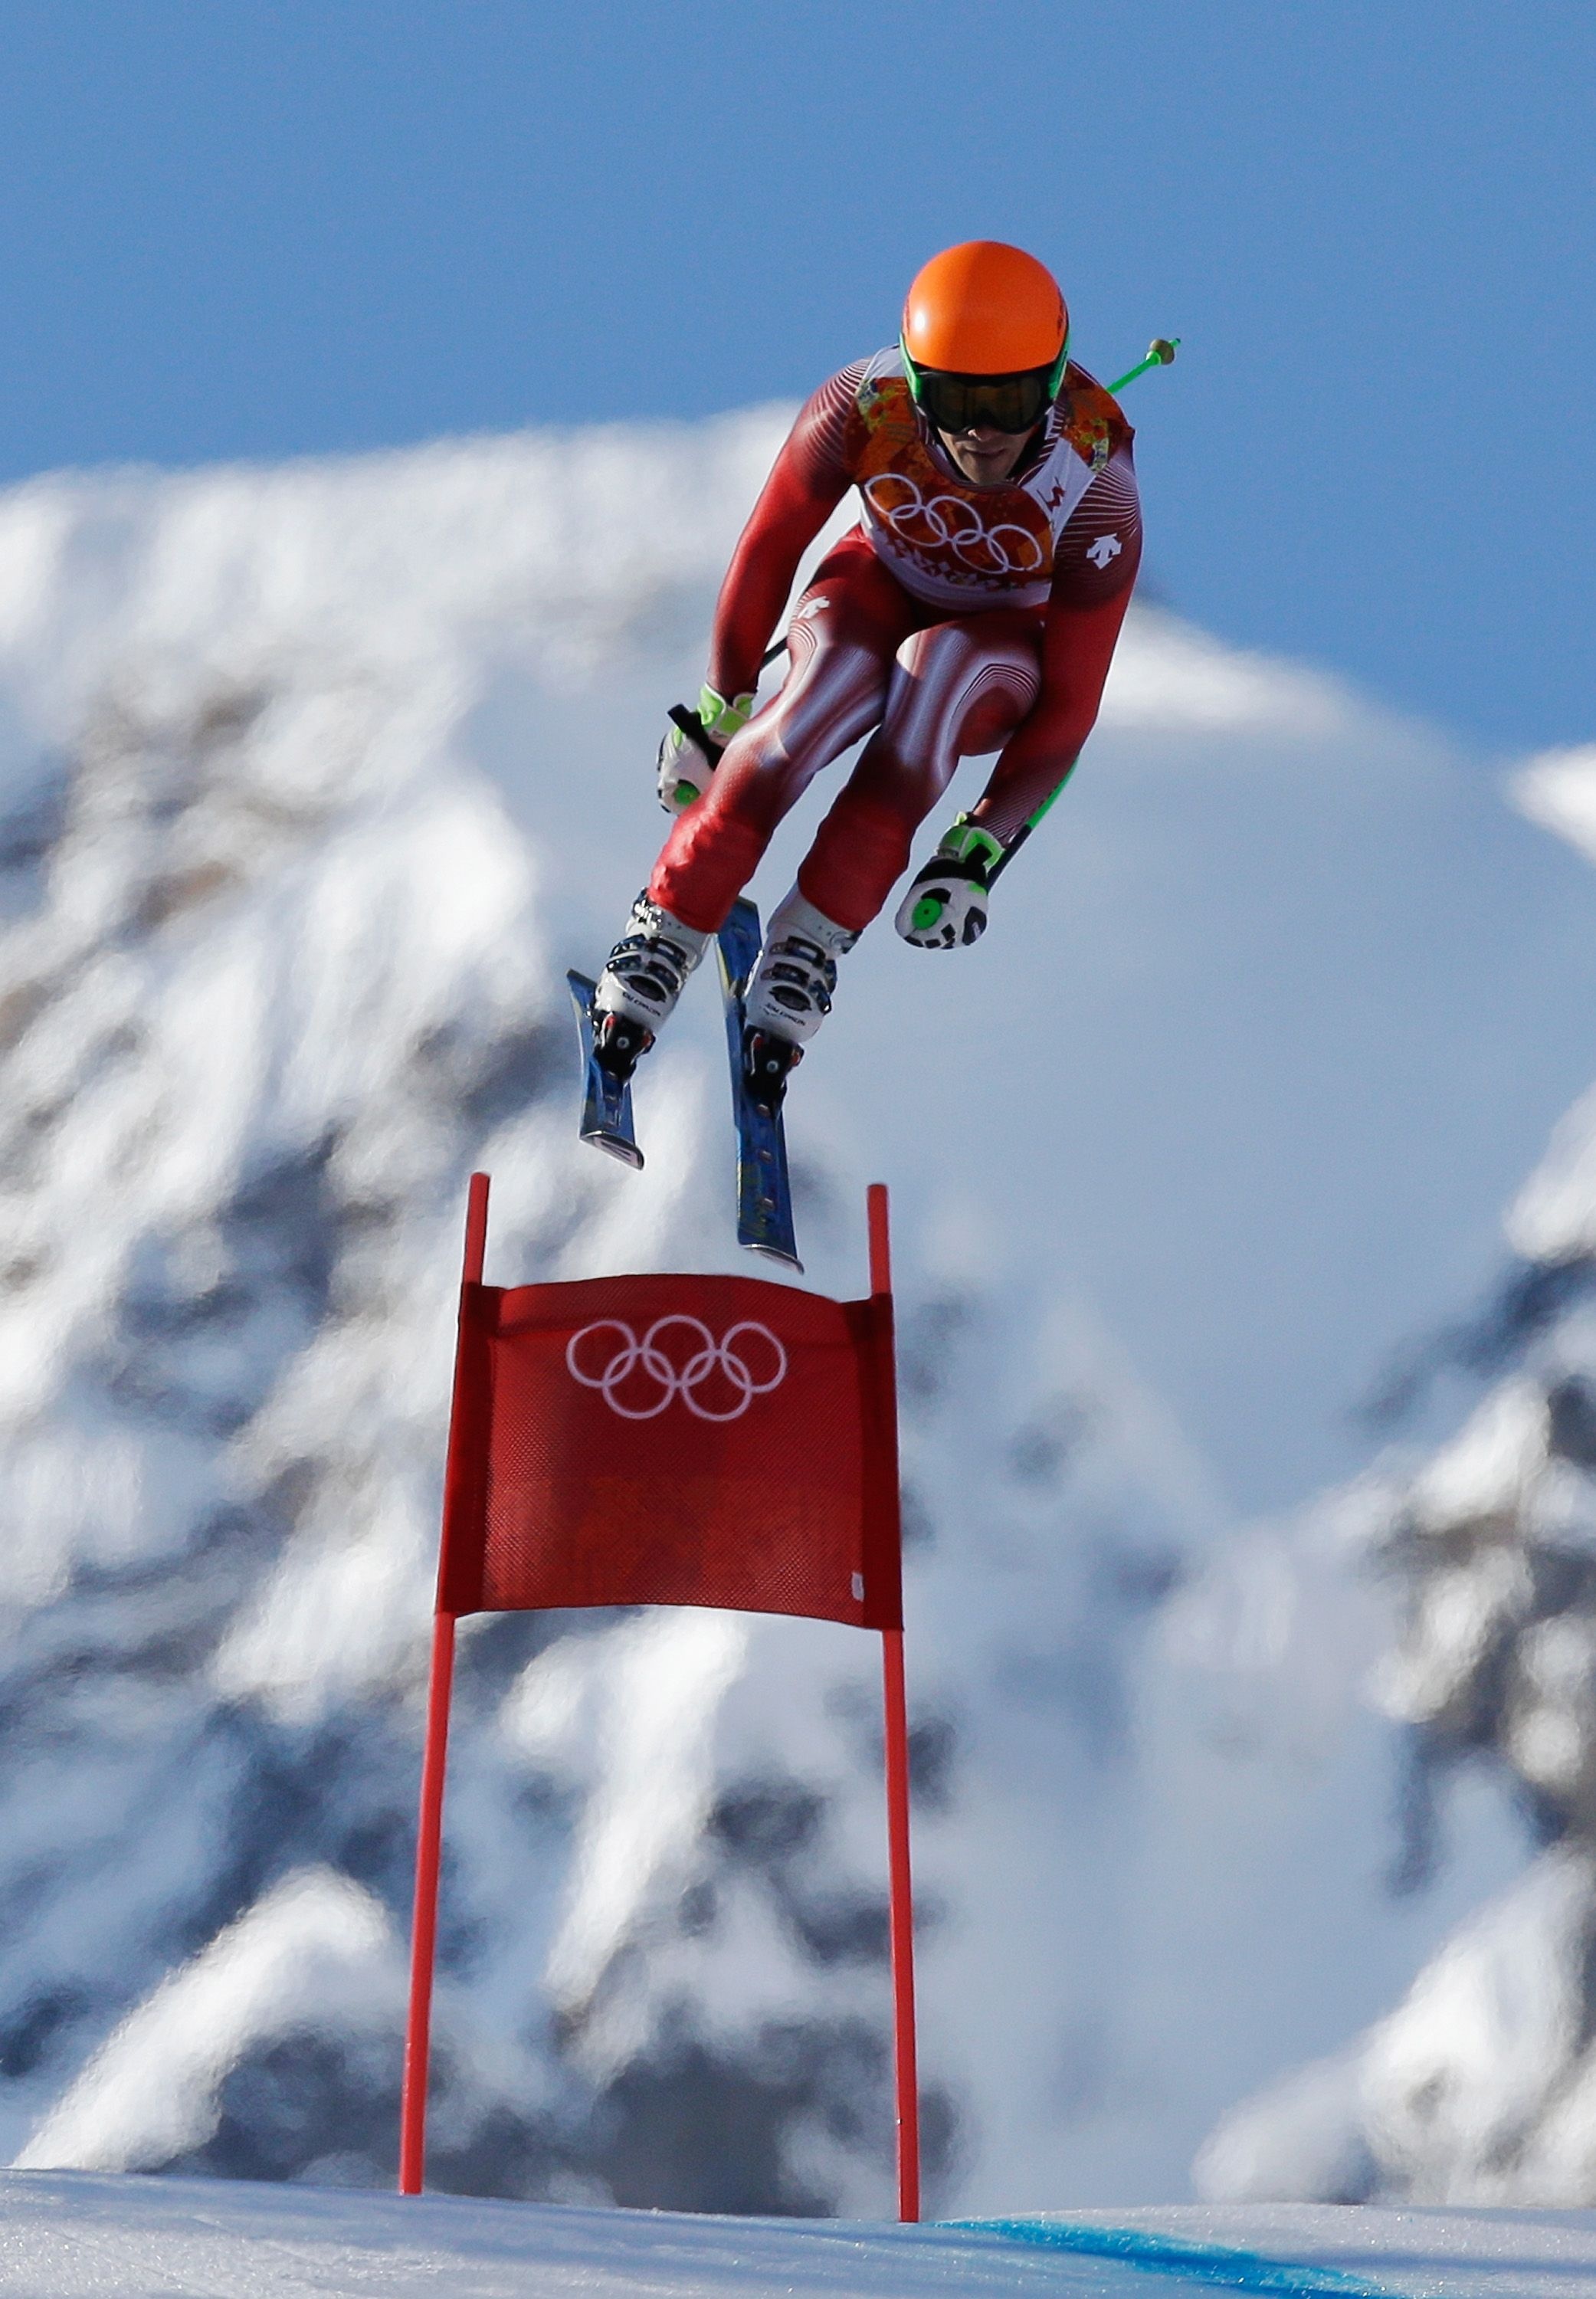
673, 1440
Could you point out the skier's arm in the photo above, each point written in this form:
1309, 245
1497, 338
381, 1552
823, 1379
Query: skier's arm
808, 480
1094, 572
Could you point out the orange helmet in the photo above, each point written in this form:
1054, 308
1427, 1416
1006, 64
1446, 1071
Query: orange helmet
986, 309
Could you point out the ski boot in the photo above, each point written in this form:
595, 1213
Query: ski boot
790, 995
643, 976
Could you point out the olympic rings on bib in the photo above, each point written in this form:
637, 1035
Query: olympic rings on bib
952, 523
649, 1362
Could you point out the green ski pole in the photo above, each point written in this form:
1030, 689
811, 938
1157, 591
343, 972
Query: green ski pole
1023, 833
1161, 353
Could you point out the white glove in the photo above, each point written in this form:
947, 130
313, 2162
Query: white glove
692, 749
945, 905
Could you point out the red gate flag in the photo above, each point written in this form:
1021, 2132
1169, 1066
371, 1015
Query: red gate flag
673, 1440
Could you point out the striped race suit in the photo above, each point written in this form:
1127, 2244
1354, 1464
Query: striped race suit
952, 620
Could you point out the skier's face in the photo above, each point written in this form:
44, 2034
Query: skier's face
984, 453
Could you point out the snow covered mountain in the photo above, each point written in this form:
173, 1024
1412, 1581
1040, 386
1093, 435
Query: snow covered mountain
313, 781
1481, 2085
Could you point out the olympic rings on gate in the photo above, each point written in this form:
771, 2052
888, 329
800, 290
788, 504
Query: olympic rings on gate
950, 523
630, 1356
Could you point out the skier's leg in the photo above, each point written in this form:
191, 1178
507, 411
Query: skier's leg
840, 642
957, 688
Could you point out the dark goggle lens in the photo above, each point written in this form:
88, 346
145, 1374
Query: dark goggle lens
996, 403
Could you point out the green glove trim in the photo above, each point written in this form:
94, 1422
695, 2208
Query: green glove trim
967, 842
721, 718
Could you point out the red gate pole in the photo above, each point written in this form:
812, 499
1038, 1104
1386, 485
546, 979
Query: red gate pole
900, 1888
429, 1835
424, 1924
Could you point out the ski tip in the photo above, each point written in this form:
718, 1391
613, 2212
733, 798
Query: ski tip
745, 912
581, 987
787, 1258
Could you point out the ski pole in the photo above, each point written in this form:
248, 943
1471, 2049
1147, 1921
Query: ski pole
1023, 833
1161, 353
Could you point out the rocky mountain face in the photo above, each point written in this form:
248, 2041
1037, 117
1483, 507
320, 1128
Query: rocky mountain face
275, 977
1480, 2086
310, 788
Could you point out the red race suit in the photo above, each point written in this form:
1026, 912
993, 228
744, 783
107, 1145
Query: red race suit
956, 619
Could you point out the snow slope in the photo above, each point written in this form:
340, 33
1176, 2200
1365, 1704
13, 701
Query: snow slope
313, 781
70, 2236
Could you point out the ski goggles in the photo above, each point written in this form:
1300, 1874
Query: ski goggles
993, 403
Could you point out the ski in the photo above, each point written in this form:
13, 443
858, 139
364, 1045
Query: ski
764, 1194
606, 1103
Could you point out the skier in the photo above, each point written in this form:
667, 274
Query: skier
974, 608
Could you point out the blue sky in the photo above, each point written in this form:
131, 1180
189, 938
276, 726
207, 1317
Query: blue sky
256, 230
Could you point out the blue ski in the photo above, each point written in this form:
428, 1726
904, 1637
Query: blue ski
606, 1105
764, 1195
